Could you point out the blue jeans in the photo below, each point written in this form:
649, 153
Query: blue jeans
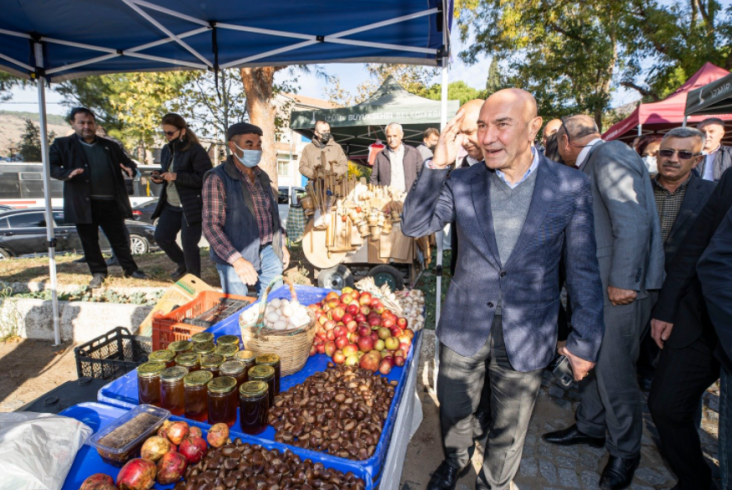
270, 267
725, 425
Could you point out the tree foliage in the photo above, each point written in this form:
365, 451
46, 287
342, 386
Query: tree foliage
29, 146
413, 78
8, 81
455, 91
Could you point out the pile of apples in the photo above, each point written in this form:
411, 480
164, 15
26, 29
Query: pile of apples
355, 329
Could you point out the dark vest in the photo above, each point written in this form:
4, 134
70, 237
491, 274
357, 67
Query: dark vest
241, 225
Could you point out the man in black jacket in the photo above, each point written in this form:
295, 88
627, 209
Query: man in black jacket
681, 327
398, 165
718, 158
94, 192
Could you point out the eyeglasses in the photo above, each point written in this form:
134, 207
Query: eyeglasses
683, 154
171, 133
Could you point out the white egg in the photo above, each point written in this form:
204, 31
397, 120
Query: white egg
284, 302
280, 325
275, 303
273, 316
286, 311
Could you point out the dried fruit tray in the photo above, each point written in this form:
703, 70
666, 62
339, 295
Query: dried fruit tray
123, 391
98, 416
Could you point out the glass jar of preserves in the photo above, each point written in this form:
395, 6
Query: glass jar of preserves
196, 395
204, 348
227, 350
266, 374
162, 355
235, 369
202, 337
148, 382
222, 401
180, 346
247, 357
274, 361
171, 389
253, 407
188, 360
228, 340
212, 362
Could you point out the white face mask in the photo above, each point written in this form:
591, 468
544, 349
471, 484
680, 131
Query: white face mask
250, 158
650, 163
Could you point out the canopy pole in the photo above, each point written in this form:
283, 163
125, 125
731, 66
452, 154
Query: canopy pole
50, 232
683, 125
640, 130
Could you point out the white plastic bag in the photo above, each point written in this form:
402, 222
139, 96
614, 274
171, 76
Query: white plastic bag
38, 449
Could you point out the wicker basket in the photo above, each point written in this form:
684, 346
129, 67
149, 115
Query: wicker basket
293, 346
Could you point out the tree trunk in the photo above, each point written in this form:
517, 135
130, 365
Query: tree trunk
259, 89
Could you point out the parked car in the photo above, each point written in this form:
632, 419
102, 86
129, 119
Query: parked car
287, 197
23, 232
3, 207
143, 212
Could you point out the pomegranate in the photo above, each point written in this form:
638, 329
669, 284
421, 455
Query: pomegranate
171, 468
218, 435
154, 448
193, 448
163, 430
195, 432
98, 481
177, 432
137, 474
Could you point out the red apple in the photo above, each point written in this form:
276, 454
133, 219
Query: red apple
404, 347
399, 361
385, 367
337, 313
405, 339
346, 290
330, 348
360, 317
334, 303
338, 357
365, 310
353, 308
399, 353
379, 345
395, 331
355, 294
320, 348
339, 331
391, 343
387, 322
351, 326
402, 322
383, 333
353, 337
352, 360
363, 331
366, 344
347, 318
365, 298
326, 308
350, 350
341, 341
331, 296
346, 299
330, 335
322, 319
409, 333
374, 336
329, 325
313, 350
321, 335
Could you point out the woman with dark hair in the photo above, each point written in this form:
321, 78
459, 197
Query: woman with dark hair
552, 149
647, 148
184, 163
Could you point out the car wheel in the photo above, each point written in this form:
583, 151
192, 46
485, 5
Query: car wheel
138, 245
337, 278
4, 254
386, 274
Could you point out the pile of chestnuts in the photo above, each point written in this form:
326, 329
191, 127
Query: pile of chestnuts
243, 466
340, 411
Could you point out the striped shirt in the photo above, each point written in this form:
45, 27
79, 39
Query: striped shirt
214, 214
668, 204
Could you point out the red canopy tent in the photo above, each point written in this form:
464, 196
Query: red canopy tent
659, 117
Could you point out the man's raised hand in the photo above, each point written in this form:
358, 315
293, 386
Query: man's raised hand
448, 146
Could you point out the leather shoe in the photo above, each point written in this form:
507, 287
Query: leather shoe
618, 473
445, 477
138, 274
571, 436
179, 272
112, 261
97, 281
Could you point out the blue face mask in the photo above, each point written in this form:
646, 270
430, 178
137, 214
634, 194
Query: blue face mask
251, 158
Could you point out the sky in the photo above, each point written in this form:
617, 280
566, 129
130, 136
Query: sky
311, 85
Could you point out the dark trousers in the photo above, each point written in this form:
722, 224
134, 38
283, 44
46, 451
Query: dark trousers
682, 376
172, 220
106, 214
460, 383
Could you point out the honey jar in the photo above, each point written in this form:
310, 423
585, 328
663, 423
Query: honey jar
274, 361
196, 395
228, 340
227, 350
222, 401
212, 362
148, 382
180, 346
204, 348
172, 391
253, 407
235, 369
163, 355
266, 374
202, 337
188, 360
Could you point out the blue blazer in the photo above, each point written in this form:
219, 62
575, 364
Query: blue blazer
560, 217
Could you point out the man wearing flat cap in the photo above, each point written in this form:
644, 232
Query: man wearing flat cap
240, 217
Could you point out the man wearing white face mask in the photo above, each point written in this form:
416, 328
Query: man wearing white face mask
240, 217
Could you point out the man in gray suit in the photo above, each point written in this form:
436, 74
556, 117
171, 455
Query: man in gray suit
513, 214
630, 252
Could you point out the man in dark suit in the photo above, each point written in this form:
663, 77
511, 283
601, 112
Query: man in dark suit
682, 328
513, 216
715, 271
398, 165
680, 195
718, 158
630, 253
94, 192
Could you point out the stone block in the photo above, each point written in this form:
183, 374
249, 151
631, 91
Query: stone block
548, 471
568, 478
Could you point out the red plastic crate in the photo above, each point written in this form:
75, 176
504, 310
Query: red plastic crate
168, 328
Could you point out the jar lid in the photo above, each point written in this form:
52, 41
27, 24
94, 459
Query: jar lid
150, 369
204, 347
174, 373
198, 378
222, 384
212, 360
230, 368
262, 373
227, 350
268, 360
187, 359
253, 389
180, 346
163, 355
228, 339
202, 337
247, 356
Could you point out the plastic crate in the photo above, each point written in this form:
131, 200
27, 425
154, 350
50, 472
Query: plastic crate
170, 327
112, 355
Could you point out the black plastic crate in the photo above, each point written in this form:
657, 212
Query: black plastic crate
66, 395
112, 355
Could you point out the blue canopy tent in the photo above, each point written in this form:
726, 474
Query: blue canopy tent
51, 41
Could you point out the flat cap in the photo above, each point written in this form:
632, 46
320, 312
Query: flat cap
242, 128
